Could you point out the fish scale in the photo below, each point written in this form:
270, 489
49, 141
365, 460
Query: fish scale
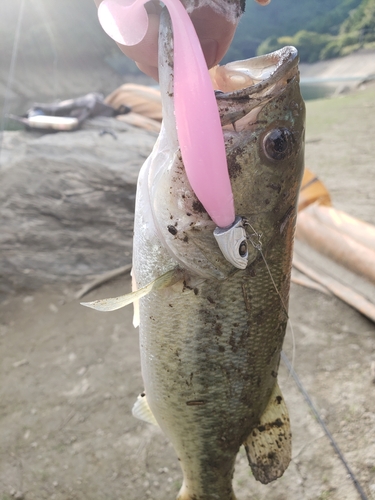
210, 357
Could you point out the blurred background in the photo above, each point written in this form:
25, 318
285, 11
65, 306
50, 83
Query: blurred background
59, 50
69, 375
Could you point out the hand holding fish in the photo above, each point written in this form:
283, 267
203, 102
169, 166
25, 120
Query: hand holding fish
215, 32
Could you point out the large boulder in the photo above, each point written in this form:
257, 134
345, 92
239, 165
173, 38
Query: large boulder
67, 202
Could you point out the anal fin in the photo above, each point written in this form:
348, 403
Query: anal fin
142, 411
269, 445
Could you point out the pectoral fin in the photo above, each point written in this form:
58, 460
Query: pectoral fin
142, 411
269, 445
111, 304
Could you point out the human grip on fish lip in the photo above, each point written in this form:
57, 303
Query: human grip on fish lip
204, 157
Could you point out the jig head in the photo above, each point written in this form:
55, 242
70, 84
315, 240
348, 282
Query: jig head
233, 243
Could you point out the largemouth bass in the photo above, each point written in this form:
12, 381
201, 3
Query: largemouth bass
211, 334
211, 340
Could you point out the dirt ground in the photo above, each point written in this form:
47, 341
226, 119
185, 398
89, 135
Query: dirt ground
70, 375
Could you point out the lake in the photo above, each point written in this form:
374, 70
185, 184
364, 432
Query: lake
320, 88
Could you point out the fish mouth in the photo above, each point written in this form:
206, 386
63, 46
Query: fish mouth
243, 86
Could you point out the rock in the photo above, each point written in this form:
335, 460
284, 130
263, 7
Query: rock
67, 202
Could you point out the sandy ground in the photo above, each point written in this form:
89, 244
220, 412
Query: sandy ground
69, 375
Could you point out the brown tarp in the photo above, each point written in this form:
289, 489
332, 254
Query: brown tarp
345, 240
143, 100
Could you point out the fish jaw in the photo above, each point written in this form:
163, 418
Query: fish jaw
231, 9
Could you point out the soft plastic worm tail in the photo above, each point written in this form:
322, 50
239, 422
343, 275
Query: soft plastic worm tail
198, 123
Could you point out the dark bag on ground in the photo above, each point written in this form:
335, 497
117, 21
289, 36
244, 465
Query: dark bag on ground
67, 115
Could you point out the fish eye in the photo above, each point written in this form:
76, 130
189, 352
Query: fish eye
242, 248
278, 143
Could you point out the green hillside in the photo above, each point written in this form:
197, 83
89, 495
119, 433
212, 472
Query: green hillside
320, 29
358, 30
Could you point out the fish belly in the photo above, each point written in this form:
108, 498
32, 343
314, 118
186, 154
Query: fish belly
210, 358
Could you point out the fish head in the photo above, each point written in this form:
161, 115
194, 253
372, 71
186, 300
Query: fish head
262, 115
264, 131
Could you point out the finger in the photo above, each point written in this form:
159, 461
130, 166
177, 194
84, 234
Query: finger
145, 53
148, 70
215, 33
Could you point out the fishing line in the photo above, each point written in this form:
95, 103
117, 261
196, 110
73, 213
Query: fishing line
258, 245
11, 74
323, 425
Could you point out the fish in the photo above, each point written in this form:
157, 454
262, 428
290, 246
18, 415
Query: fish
211, 334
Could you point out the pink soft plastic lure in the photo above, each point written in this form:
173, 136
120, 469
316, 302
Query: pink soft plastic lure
196, 112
